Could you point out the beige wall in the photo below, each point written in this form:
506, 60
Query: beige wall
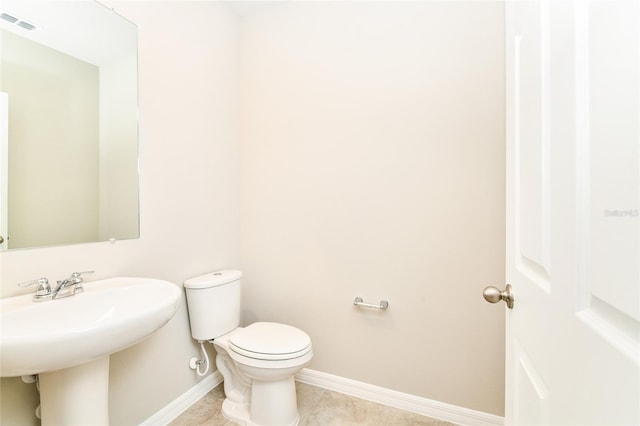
189, 200
54, 144
373, 165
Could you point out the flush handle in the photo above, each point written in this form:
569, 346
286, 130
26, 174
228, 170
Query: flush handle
493, 295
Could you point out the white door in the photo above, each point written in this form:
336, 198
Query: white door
573, 231
4, 170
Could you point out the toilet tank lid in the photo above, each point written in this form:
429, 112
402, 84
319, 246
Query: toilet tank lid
213, 279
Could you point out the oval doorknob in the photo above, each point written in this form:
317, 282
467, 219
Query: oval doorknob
1, 239
494, 295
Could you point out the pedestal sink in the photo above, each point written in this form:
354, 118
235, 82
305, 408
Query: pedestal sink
67, 342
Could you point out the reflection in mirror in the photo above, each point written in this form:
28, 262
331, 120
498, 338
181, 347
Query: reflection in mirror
69, 131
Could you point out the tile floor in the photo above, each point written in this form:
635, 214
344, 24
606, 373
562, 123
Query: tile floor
317, 407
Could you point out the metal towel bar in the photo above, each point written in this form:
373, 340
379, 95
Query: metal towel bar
359, 302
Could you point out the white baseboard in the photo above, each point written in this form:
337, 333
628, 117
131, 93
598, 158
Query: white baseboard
403, 401
415, 404
184, 401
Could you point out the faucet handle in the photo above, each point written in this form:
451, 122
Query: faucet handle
42, 291
77, 288
40, 281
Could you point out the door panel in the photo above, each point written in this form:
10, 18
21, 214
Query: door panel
612, 154
608, 182
532, 404
528, 218
531, 85
573, 226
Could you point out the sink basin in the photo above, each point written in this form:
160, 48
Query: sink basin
110, 315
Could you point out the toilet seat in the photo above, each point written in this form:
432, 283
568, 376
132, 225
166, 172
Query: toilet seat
270, 341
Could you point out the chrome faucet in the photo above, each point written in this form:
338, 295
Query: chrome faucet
65, 288
72, 283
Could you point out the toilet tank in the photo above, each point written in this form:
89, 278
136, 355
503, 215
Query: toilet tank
213, 301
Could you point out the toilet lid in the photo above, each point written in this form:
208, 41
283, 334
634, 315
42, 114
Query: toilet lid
268, 340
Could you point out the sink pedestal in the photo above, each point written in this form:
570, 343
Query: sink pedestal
76, 396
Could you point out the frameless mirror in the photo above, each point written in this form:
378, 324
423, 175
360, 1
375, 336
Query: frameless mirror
68, 124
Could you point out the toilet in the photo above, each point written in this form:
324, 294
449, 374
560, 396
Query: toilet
257, 362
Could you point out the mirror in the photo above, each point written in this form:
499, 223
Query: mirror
68, 124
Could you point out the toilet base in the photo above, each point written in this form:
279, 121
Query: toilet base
240, 414
274, 402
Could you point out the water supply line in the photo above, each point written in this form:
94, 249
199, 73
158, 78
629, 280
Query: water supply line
195, 363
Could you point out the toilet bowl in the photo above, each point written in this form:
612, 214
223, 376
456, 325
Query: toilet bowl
257, 362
